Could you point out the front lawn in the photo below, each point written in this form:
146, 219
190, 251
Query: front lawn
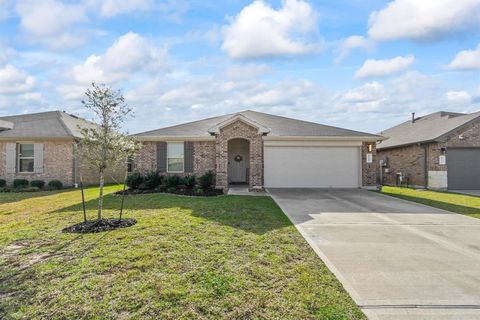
459, 203
227, 257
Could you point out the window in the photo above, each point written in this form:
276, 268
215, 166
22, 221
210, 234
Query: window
25, 157
175, 157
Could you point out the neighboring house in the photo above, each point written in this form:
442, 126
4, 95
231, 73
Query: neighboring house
439, 151
262, 150
40, 146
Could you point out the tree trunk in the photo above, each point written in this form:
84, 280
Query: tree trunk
100, 196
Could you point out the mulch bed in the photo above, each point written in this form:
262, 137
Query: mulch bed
183, 192
94, 226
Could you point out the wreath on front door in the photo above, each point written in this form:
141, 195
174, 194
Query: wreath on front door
238, 158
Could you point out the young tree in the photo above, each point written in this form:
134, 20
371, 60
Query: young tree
105, 147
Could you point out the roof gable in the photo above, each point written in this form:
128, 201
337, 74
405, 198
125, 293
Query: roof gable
238, 117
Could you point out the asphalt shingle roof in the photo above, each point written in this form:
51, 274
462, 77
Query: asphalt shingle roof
425, 129
52, 124
279, 126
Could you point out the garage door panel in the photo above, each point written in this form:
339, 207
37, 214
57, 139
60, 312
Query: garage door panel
463, 168
321, 167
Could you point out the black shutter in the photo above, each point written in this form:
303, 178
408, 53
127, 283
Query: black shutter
162, 156
188, 156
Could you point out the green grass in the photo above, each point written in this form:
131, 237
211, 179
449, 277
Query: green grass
227, 257
459, 203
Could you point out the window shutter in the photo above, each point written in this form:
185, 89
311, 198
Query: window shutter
11, 162
38, 158
162, 156
188, 156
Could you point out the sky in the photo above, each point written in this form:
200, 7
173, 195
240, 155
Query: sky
362, 65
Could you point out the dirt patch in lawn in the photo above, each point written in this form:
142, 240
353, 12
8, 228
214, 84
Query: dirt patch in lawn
94, 226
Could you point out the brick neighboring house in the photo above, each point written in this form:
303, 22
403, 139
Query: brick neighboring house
262, 150
438, 151
40, 146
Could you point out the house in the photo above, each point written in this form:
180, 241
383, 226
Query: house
262, 150
439, 151
40, 146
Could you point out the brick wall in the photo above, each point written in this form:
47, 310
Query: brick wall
239, 129
203, 157
146, 158
57, 163
369, 170
407, 160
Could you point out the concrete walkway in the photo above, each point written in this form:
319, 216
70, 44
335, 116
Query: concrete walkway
397, 259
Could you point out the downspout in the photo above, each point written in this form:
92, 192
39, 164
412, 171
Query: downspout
425, 165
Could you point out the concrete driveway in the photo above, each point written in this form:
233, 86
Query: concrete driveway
397, 259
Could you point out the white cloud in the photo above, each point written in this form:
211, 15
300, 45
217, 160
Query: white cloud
246, 71
5, 9
130, 54
110, 8
14, 81
261, 31
282, 94
370, 91
49, 21
422, 19
353, 42
379, 68
458, 96
466, 59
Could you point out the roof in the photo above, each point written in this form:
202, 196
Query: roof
51, 124
268, 124
429, 128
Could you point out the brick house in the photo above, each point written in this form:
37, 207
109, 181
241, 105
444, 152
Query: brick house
262, 150
438, 151
40, 146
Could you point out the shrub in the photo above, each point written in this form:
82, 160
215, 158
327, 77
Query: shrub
3, 183
189, 181
20, 183
171, 190
134, 180
152, 179
198, 190
37, 184
55, 185
206, 180
172, 181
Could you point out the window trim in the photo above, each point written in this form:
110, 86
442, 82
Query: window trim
168, 157
19, 158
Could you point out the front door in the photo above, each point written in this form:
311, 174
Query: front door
238, 170
238, 160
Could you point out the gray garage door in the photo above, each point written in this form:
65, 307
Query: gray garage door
463, 169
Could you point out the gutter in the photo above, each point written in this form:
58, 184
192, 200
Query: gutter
35, 138
174, 138
324, 138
